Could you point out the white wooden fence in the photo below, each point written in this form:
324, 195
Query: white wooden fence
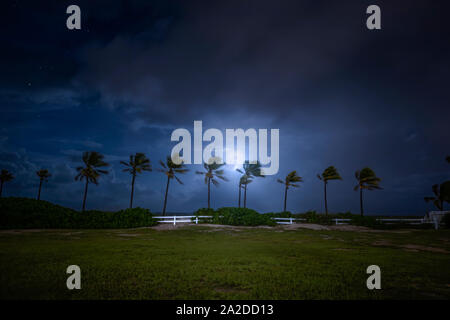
180, 219
287, 220
194, 219
341, 221
337, 221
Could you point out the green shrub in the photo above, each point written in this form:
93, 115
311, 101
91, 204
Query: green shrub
204, 212
365, 221
344, 215
241, 217
31, 213
313, 217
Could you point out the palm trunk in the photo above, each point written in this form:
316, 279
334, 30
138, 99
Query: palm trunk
85, 194
39, 192
325, 192
361, 200
239, 195
285, 198
209, 192
245, 196
165, 197
132, 190
1, 189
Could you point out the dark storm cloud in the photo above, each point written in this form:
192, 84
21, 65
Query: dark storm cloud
224, 57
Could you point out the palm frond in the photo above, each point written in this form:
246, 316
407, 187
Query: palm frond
178, 180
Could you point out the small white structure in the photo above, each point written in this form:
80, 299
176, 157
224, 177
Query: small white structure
435, 217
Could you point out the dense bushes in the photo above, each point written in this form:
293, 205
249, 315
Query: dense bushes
313, 217
283, 214
236, 216
204, 212
241, 217
30, 213
370, 222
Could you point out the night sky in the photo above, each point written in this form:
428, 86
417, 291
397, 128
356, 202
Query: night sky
340, 94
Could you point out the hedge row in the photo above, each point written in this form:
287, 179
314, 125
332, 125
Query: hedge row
30, 213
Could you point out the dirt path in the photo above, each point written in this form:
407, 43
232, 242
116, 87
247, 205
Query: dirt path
295, 226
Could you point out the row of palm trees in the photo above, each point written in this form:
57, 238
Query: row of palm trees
94, 166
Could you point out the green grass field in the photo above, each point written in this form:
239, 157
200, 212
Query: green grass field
200, 262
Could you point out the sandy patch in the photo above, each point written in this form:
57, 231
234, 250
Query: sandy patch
128, 234
170, 226
309, 226
70, 233
409, 247
423, 248
382, 243
21, 231
216, 227
278, 228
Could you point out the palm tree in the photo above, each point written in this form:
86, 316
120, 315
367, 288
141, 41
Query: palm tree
243, 181
442, 194
329, 173
250, 170
43, 175
289, 181
90, 172
211, 173
170, 169
5, 176
137, 164
366, 180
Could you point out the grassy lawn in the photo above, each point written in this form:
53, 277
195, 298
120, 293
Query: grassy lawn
200, 262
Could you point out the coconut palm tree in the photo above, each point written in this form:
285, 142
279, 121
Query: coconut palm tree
290, 181
90, 171
136, 165
367, 179
5, 176
250, 170
441, 195
243, 181
170, 169
211, 173
329, 173
43, 175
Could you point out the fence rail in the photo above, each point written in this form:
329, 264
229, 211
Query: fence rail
287, 220
180, 219
195, 219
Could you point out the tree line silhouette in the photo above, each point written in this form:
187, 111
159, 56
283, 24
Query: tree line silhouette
94, 166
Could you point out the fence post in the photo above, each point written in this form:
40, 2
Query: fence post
174, 220
196, 220
291, 221
436, 222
